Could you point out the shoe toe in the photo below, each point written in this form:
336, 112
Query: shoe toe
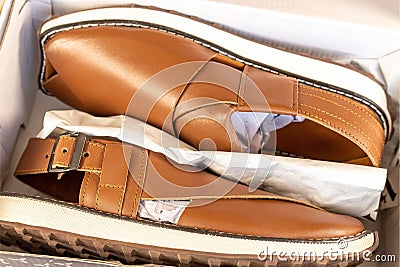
270, 218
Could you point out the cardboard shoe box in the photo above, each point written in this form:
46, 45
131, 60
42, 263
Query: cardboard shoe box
364, 33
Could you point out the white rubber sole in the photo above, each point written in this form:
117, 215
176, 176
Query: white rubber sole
69, 218
317, 73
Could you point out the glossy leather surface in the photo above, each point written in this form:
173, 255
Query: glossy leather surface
105, 70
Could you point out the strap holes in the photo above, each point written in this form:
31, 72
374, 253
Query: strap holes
86, 154
64, 150
46, 156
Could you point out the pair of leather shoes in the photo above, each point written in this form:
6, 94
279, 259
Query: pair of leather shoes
189, 77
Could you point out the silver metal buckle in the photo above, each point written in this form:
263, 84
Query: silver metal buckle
76, 155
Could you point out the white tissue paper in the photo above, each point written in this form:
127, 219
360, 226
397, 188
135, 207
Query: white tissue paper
162, 210
253, 129
342, 188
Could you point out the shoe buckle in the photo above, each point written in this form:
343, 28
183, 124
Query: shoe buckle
76, 154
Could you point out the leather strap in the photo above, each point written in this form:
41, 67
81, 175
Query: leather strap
103, 162
341, 114
250, 89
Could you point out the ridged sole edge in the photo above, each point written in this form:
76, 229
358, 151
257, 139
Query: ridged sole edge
53, 242
46, 226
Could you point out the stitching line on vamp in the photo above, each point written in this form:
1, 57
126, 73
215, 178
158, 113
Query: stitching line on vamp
341, 98
349, 110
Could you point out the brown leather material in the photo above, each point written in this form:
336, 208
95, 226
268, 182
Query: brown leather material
360, 161
102, 174
269, 218
64, 92
62, 158
165, 178
197, 125
104, 165
228, 61
99, 69
90, 183
345, 117
280, 92
40, 151
113, 178
96, 151
308, 145
144, 46
136, 179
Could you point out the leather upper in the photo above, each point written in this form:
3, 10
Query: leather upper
106, 70
103, 181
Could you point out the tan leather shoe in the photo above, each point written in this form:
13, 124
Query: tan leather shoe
155, 65
106, 211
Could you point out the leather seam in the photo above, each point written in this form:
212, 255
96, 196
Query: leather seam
345, 108
97, 197
242, 89
340, 130
111, 186
100, 185
125, 186
349, 124
135, 201
341, 98
121, 195
293, 96
182, 92
186, 112
67, 137
92, 143
87, 178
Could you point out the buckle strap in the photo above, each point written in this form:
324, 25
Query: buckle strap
103, 162
62, 154
64, 161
